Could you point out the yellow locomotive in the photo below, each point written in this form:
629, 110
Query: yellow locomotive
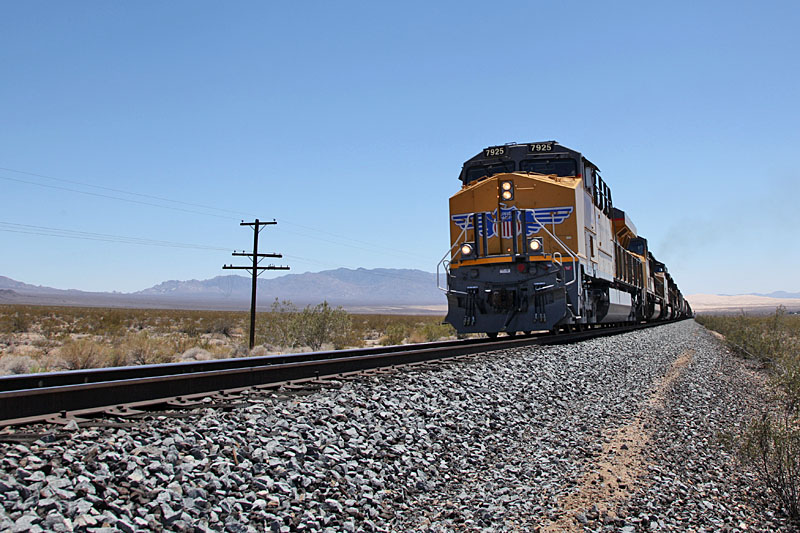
536, 244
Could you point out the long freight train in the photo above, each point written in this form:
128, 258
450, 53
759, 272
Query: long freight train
537, 244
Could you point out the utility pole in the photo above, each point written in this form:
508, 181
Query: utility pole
255, 270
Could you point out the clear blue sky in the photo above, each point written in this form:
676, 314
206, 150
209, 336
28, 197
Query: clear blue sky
348, 122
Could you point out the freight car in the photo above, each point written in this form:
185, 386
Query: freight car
537, 244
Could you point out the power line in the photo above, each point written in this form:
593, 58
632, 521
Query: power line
29, 229
140, 202
370, 246
373, 250
141, 195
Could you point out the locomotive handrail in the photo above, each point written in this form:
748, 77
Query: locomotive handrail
575, 261
447, 266
566, 249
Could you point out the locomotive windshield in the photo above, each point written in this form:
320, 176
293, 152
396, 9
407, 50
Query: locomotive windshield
638, 246
479, 171
559, 167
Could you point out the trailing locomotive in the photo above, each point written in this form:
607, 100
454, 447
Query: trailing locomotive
537, 244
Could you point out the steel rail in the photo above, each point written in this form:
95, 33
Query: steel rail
94, 391
97, 375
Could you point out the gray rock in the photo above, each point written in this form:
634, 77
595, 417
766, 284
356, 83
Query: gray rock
25, 522
84, 520
333, 505
169, 516
196, 492
469, 445
125, 526
35, 477
46, 505
235, 527
56, 522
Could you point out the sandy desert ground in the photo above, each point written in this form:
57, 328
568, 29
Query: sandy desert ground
715, 303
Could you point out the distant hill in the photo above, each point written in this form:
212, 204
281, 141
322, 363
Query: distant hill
380, 286
750, 303
779, 294
379, 289
7, 294
8, 283
366, 290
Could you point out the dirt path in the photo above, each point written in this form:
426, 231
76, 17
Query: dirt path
611, 478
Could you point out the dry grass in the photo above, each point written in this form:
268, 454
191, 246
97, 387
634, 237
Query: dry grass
771, 443
765, 337
36, 338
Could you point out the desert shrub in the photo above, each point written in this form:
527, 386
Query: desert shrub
764, 337
20, 322
51, 326
16, 364
395, 333
772, 445
414, 328
435, 331
416, 336
196, 354
264, 349
15, 319
222, 326
280, 326
322, 324
80, 354
285, 325
771, 442
141, 349
239, 350
114, 356
191, 329
351, 336
176, 331
111, 322
382, 322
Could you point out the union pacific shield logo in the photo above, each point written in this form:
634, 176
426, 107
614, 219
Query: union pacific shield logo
507, 218
534, 220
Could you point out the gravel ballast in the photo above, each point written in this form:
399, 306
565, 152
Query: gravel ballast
502, 441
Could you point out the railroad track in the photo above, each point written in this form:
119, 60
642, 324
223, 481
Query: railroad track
59, 397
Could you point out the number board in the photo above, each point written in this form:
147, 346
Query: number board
540, 147
494, 151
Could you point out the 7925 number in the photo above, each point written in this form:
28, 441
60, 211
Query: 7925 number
494, 151
541, 147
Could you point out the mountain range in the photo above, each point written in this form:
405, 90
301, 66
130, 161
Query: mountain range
778, 294
380, 289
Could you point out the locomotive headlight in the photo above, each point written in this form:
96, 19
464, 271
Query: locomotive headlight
507, 190
467, 249
535, 245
